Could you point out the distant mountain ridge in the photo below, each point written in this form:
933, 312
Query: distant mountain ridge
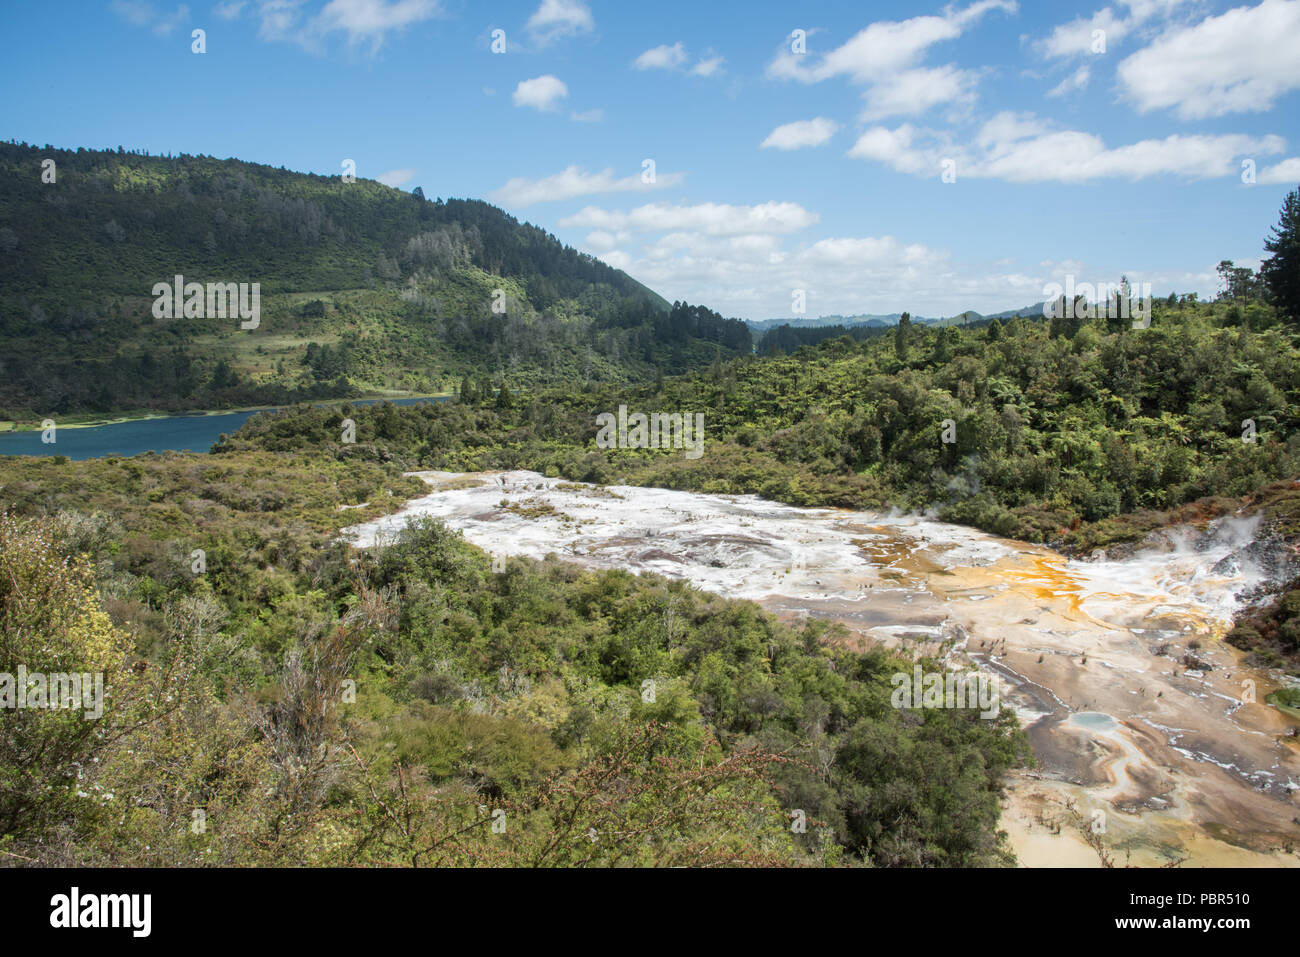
891, 319
778, 336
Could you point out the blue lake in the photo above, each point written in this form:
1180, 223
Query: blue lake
177, 433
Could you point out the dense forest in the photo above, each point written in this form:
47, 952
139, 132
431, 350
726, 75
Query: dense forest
364, 289
785, 339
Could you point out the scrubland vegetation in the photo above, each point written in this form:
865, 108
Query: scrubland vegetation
321, 706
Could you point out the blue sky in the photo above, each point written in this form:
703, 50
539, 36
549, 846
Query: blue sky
1082, 139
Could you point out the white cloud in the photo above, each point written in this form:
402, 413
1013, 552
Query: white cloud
1072, 156
1021, 149
396, 177
665, 57
142, 14
885, 57
180, 16
541, 93
793, 136
1287, 171
713, 219
1238, 62
915, 91
372, 19
602, 242
560, 18
1145, 9
230, 10
857, 252
662, 57
753, 244
708, 66
1062, 267
137, 14
618, 259
707, 254
589, 116
753, 275
361, 20
1080, 37
574, 182
279, 18
884, 48
1077, 37
894, 148
1078, 80
1008, 126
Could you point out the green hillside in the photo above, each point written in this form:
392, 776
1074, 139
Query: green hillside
364, 289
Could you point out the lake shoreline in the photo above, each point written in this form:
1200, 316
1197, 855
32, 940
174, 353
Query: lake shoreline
144, 415
195, 432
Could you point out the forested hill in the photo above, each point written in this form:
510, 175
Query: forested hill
395, 291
